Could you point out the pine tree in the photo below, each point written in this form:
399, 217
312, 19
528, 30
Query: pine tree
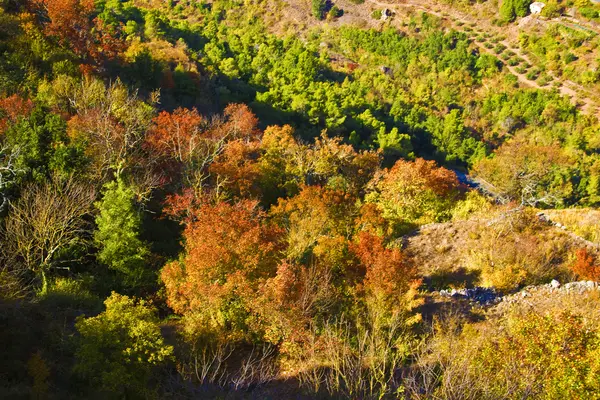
507, 10
117, 236
318, 8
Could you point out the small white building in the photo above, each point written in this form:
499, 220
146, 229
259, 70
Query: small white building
536, 8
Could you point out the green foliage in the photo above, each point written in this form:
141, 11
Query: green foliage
318, 8
118, 233
43, 146
120, 348
70, 293
511, 9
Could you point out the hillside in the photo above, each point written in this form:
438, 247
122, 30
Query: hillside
225, 199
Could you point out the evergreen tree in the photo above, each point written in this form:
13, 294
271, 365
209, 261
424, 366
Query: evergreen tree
507, 10
117, 236
318, 8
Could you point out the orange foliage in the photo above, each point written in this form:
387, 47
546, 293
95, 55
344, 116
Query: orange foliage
71, 22
386, 272
240, 121
176, 135
184, 134
229, 251
416, 192
237, 167
315, 213
13, 107
585, 266
423, 174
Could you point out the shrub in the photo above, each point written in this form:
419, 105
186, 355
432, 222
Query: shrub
318, 8
120, 348
517, 250
585, 266
514, 356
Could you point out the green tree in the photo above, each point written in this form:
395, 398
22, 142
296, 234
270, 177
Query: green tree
120, 348
318, 8
119, 225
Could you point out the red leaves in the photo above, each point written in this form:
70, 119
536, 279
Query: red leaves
241, 122
585, 266
175, 135
13, 107
425, 175
386, 272
228, 247
71, 21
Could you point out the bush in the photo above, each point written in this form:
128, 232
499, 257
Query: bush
120, 348
499, 359
585, 266
517, 250
71, 293
499, 48
335, 12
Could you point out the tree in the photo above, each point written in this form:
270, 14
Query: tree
318, 8
316, 214
117, 236
109, 121
176, 135
120, 348
416, 192
48, 219
510, 9
529, 173
72, 22
390, 283
12, 108
229, 250
189, 143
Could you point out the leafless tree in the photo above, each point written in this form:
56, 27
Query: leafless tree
8, 172
48, 218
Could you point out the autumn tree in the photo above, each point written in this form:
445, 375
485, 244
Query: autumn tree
237, 169
110, 122
188, 142
415, 192
12, 108
48, 219
390, 282
229, 250
585, 265
528, 173
73, 23
314, 215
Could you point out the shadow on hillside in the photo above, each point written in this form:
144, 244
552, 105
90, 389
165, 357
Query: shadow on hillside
458, 278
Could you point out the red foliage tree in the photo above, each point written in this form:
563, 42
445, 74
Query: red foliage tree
230, 251
237, 168
13, 107
390, 282
72, 22
585, 266
176, 135
240, 122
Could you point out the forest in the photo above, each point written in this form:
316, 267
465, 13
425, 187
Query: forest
197, 205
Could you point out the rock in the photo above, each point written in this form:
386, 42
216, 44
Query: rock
591, 284
555, 284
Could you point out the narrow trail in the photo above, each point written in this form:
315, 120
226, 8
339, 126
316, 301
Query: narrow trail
578, 94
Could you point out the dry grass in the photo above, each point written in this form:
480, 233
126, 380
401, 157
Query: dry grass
506, 250
582, 222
